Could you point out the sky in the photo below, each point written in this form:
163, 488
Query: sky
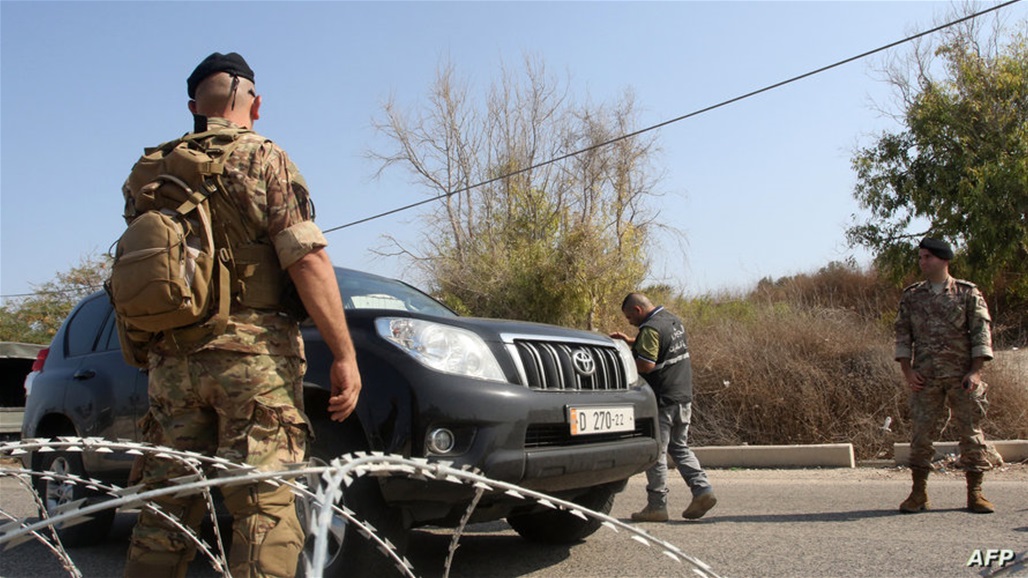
760, 188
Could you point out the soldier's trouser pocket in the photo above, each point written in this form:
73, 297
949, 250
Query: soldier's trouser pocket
276, 435
267, 537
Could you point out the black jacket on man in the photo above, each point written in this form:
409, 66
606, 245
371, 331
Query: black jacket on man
671, 379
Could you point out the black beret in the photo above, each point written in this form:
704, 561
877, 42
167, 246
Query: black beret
940, 249
231, 63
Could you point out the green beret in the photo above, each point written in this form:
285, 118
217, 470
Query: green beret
940, 249
231, 63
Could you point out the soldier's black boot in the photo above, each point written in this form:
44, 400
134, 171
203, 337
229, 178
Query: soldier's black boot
917, 501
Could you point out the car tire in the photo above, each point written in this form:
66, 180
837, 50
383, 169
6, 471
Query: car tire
349, 553
57, 492
560, 526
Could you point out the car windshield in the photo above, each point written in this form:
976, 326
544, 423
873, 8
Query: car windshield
366, 291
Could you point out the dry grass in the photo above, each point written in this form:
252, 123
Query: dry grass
809, 360
1007, 377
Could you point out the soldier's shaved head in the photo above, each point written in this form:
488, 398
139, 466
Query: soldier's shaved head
221, 94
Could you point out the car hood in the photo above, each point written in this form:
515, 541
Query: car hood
506, 330
491, 330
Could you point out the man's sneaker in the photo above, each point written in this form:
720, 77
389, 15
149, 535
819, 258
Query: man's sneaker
700, 505
649, 514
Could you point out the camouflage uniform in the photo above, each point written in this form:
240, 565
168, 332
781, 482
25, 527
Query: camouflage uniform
238, 395
943, 331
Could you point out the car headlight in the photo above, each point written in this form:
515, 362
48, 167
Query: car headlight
441, 347
632, 373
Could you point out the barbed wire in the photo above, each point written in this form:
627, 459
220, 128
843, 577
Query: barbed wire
325, 499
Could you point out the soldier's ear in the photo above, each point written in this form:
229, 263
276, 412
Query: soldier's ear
255, 108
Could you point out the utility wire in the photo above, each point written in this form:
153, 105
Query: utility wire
698, 112
676, 119
83, 289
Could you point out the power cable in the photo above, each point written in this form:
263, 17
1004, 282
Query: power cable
676, 119
83, 289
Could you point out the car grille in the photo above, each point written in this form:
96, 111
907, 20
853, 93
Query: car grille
556, 366
559, 434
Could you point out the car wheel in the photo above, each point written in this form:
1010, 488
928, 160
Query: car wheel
350, 553
57, 492
563, 527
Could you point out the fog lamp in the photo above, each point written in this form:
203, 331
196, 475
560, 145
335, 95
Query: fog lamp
441, 441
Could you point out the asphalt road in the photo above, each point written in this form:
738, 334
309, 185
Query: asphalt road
768, 523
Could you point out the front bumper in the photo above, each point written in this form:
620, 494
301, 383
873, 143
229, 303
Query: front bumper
498, 426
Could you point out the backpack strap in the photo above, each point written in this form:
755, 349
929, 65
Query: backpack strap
257, 278
236, 236
232, 222
212, 182
211, 174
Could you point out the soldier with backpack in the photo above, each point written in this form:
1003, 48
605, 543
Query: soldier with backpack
236, 237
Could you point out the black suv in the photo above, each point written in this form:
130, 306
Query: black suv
551, 409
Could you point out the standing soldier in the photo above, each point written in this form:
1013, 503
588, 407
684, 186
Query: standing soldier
662, 358
238, 393
944, 326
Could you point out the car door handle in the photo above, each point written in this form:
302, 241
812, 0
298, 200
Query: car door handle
84, 374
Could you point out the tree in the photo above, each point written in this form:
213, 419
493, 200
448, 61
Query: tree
960, 165
36, 318
559, 242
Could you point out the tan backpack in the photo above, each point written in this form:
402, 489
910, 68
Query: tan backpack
173, 268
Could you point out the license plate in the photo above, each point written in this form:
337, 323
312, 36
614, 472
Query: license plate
601, 419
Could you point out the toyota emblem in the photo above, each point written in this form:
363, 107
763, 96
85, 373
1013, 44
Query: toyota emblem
584, 363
